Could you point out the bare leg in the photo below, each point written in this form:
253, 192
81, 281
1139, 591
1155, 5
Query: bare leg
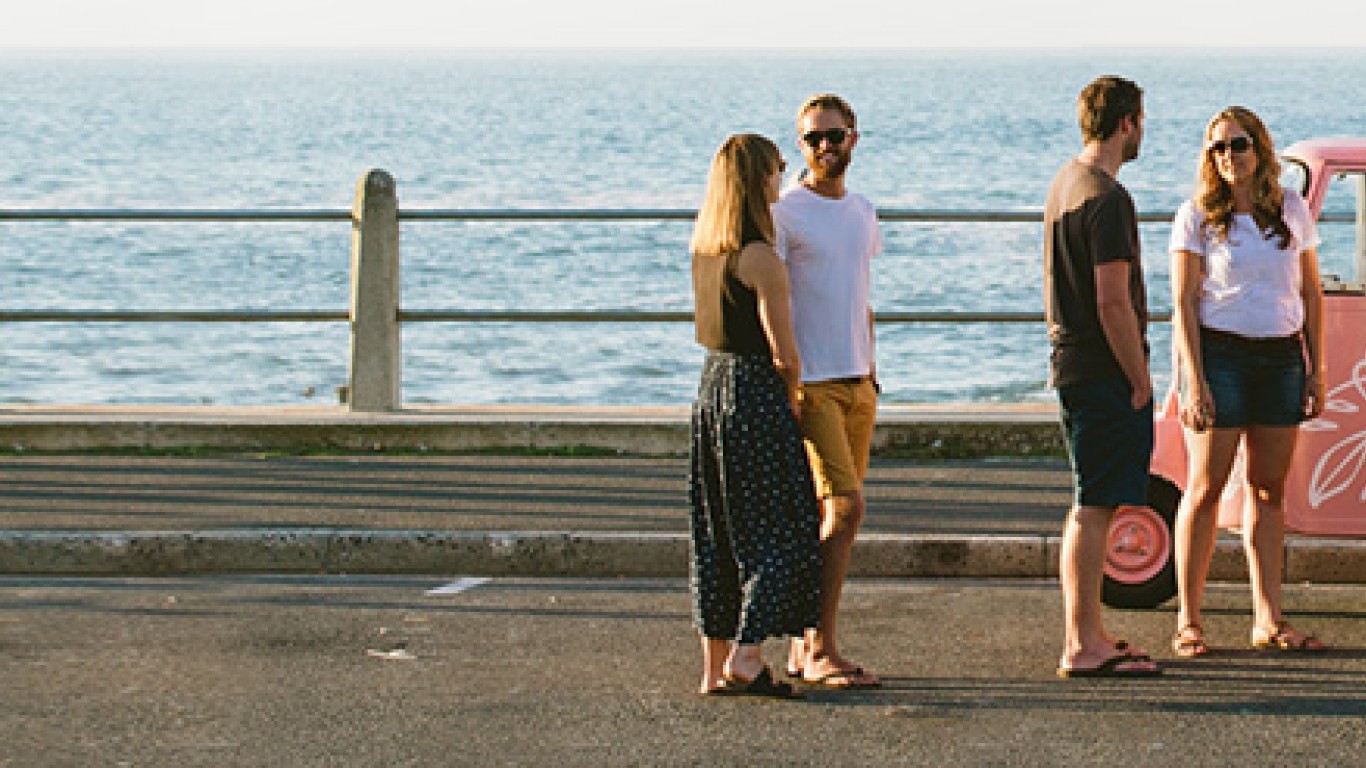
841, 516
745, 662
796, 656
1269, 450
1211, 458
1081, 569
714, 653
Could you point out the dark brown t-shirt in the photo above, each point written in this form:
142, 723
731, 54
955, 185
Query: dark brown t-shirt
726, 310
1089, 220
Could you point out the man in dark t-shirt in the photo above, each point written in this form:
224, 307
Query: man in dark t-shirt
1097, 318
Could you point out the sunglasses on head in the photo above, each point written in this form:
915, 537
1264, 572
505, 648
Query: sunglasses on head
835, 136
1238, 144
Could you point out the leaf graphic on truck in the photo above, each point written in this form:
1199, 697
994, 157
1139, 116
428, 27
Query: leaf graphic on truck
1339, 468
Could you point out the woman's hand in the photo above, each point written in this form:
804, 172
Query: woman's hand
1197, 409
1313, 395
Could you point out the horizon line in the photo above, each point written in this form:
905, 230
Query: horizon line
20, 50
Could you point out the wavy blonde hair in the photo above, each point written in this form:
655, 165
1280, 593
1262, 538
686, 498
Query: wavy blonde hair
1215, 196
735, 205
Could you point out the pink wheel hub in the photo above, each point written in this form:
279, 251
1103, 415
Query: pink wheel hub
1138, 546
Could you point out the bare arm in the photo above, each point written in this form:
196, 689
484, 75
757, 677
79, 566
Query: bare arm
760, 268
1197, 407
1120, 324
872, 341
1311, 292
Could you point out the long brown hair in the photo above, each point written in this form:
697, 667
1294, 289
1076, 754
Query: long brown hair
1215, 196
736, 201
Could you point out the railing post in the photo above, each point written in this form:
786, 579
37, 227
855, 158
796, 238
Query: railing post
375, 337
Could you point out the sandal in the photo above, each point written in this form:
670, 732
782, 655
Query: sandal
845, 681
762, 685
1189, 642
1123, 647
1285, 638
1122, 665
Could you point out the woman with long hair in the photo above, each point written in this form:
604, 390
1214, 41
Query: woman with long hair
755, 570
1248, 333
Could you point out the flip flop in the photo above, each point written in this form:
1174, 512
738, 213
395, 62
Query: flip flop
762, 685
856, 671
845, 681
1111, 668
1123, 647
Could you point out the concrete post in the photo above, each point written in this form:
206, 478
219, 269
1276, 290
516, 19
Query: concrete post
376, 363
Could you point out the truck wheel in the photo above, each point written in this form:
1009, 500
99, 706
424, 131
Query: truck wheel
1140, 570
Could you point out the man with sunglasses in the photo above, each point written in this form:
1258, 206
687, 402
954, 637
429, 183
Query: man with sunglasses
1096, 305
828, 236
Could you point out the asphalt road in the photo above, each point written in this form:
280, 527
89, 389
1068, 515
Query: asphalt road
375, 671
482, 492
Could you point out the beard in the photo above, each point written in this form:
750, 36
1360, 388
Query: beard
822, 172
1131, 148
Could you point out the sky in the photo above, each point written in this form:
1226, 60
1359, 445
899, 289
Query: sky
730, 24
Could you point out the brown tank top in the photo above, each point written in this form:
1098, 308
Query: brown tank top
726, 310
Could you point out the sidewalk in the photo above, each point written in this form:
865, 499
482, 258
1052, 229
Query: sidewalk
512, 515
527, 515
103, 511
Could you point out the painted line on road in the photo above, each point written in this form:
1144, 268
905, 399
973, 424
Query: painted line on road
458, 586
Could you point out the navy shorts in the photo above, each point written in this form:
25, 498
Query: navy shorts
1254, 381
1108, 442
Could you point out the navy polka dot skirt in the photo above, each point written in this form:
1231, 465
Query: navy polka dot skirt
756, 557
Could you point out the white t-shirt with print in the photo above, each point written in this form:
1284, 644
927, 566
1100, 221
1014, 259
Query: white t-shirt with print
828, 245
1251, 285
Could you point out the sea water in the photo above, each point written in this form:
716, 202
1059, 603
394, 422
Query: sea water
960, 130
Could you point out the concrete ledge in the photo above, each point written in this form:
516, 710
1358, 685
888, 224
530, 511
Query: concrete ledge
1326, 561
339, 551
895, 556
976, 428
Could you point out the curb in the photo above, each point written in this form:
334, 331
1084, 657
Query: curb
657, 431
566, 554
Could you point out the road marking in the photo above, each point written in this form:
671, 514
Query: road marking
458, 586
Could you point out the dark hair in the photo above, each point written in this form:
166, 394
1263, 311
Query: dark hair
1104, 102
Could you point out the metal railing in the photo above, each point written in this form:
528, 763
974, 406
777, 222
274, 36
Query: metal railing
466, 215
375, 312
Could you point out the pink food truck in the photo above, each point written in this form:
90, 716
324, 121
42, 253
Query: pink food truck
1326, 488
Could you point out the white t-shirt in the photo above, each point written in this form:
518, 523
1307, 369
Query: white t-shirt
828, 246
1251, 286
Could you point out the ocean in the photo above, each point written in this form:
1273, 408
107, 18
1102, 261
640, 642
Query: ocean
952, 130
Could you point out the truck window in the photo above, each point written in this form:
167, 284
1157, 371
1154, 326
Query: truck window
1342, 229
1294, 175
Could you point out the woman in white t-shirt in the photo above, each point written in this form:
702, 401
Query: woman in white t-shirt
1247, 328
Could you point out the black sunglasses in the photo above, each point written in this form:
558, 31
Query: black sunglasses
835, 136
1239, 145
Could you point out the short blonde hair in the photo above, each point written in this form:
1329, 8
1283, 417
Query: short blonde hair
828, 101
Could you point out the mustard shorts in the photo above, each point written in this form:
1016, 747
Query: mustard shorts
837, 428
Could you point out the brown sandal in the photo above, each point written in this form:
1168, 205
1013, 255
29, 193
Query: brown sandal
1189, 642
1285, 638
